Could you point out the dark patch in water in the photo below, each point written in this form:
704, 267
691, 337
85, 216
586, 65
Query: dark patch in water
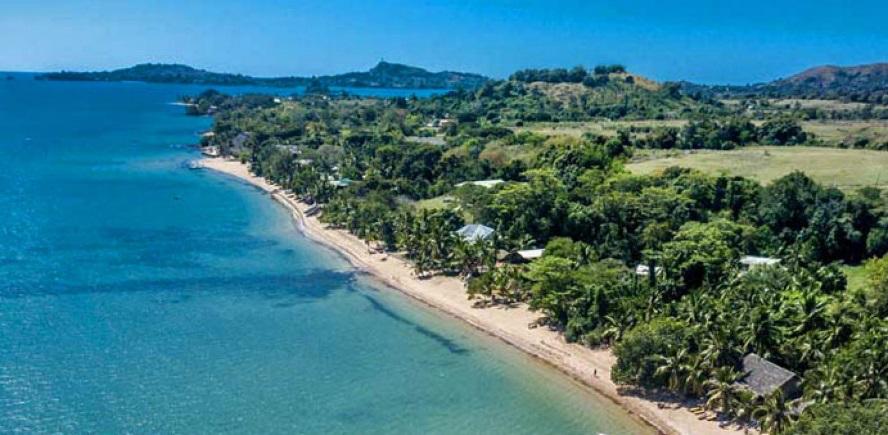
448, 344
306, 286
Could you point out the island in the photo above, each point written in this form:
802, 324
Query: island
383, 75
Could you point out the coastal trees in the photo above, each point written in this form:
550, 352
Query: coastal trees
645, 263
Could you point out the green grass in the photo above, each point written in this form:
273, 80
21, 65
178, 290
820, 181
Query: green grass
438, 202
602, 128
836, 132
856, 277
844, 168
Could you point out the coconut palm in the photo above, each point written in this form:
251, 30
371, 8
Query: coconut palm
673, 368
721, 393
774, 414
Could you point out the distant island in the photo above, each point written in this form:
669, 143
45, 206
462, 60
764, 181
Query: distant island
862, 83
383, 75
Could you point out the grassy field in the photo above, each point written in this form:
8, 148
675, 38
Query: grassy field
835, 132
603, 128
843, 168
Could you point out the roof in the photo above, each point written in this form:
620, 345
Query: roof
752, 260
483, 183
762, 376
431, 140
531, 254
474, 232
240, 139
643, 269
343, 182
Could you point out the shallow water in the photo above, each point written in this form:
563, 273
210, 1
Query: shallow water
139, 296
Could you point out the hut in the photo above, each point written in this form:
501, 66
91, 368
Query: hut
763, 378
475, 232
525, 256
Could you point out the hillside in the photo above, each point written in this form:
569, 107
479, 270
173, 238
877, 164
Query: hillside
863, 83
547, 95
383, 75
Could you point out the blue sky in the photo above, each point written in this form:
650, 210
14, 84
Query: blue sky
705, 41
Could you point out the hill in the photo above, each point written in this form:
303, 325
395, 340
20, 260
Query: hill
863, 83
576, 95
383, 75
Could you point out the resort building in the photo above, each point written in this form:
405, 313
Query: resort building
475, 232
763, 377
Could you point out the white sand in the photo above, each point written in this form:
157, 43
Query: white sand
589, 366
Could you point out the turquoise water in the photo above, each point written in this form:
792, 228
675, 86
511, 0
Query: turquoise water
139, 296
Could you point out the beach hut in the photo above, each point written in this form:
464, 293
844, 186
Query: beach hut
763, 378
475, 232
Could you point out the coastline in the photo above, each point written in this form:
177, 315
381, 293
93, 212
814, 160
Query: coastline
588, 366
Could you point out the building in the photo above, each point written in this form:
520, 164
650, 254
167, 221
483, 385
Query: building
763, 378
645, 270
239, 141
751, 261
342, 182
475, 232
428, 140
483, 183
525, 256
210, 151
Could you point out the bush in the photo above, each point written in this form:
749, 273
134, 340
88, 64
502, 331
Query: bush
638, 353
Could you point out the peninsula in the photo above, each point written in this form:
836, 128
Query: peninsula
383, 75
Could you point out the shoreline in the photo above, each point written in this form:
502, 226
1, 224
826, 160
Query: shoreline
591, 367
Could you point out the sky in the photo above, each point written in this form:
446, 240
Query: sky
703, 41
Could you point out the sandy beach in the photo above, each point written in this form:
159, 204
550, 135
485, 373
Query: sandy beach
589, 366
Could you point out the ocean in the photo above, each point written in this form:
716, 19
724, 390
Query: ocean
138, 296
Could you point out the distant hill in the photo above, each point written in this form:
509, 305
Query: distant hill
383, 75
863, 83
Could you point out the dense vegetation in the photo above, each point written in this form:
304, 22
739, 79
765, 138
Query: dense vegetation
383, 75
684, 326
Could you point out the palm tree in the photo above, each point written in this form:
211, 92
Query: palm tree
673, 368
745, 404
762, 333
696, 373
721, 393
826, 384
774, 414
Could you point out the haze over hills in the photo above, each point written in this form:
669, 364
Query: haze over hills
383, 75
863, 83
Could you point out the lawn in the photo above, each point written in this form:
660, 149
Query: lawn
844, 168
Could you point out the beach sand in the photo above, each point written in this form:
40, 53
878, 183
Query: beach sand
589, 366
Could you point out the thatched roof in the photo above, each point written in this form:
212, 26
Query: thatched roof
764, 377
